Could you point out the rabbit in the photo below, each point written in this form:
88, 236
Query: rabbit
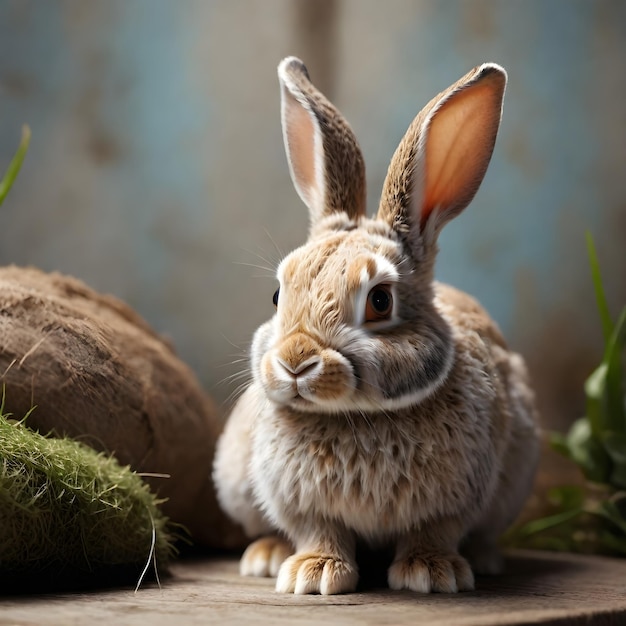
384, 407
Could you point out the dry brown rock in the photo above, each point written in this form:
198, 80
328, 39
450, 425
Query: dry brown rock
97, 372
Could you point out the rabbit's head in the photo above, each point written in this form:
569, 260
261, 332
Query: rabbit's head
356, 328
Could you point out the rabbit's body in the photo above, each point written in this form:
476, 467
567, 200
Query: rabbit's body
384, 407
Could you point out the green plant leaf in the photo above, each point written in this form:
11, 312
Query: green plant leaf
618, 476
15, 165
615, 444
604, 388
544, 523
595, 390
592, 518
588, 452
614, 418
551, 543
558, 443
596, 277
619, 500
567, 496
608, 510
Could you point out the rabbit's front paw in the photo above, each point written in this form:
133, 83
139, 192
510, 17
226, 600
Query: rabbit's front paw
308, 572
264, 557
426, 572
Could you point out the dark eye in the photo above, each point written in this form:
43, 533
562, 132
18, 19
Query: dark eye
275, 297
379, 304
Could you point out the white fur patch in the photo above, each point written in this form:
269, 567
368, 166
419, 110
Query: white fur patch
386, 273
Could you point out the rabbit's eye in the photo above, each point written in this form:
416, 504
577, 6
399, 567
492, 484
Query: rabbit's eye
379, 304
275, 297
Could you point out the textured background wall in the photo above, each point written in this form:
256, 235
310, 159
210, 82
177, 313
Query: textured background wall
156, 169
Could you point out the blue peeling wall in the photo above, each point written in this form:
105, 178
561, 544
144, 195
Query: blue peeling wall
156, 169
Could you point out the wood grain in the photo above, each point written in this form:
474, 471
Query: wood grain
538, 588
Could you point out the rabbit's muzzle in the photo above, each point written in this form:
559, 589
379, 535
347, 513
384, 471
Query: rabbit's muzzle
300, 371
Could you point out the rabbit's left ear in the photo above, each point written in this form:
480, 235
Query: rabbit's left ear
442, 159
325, 161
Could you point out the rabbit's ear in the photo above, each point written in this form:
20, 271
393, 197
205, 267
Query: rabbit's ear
324, 157
441, 161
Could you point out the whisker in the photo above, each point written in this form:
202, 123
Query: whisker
270, 270
268, 262
241, 358
276, 246
235, 394
232, 378
233, 344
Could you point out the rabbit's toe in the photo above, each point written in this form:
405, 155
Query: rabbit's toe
264, 557
428, 572
314, 573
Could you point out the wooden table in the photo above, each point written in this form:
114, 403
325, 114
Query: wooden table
538, 588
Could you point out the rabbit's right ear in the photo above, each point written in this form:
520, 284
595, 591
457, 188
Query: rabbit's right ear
325, 160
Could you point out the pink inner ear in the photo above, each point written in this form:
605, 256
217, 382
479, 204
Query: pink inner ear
300, 136
459, 144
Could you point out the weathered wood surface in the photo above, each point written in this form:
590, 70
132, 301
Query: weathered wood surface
538, 588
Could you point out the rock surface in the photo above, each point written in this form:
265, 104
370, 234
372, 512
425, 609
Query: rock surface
97, 372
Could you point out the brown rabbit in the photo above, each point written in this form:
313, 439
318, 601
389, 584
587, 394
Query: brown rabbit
384, 407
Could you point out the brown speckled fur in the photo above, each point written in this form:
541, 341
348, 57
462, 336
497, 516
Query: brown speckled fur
416, 429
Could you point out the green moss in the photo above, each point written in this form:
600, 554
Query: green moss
69, 514
69, 510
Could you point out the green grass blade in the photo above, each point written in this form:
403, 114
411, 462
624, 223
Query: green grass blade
567, 497
595, 392
558, 443
603, 308
618, 476
588, 452
615, 419
15, 165
610, 512
544, 523
615, 444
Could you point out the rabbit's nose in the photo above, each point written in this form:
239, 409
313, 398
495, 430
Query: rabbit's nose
298, 356
302, 368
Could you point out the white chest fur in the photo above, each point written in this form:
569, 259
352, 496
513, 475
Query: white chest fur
378, 475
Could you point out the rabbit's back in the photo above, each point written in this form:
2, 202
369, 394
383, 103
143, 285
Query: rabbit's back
478, 335
514, 418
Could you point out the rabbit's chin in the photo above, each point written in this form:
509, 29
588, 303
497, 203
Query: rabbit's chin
353, 402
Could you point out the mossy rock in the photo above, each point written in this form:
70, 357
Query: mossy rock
69, 514
96, 372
